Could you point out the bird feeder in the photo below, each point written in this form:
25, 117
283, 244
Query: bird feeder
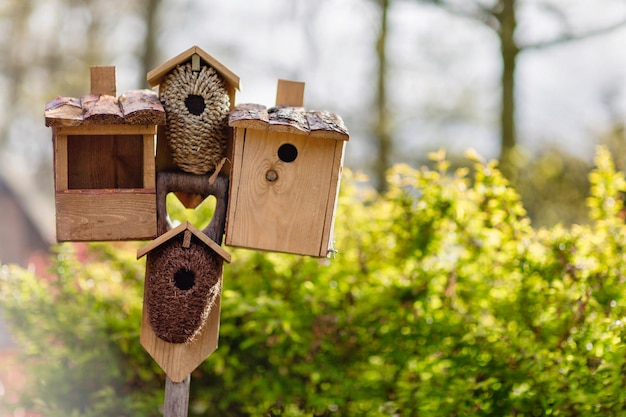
181, 299
286, 168
104, 166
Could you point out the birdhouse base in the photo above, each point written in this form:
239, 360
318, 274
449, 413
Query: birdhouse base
105, 215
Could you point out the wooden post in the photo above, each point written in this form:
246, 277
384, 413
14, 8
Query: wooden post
176, 397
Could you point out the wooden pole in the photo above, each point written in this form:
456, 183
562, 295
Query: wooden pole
176, 397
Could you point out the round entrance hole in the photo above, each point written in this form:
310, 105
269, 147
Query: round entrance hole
195, 104
287, 152
184, 279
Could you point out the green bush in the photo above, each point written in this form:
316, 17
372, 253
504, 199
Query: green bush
443, 301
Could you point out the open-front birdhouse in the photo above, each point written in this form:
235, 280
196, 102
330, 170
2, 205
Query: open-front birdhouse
104, 162
286, 168
182, 292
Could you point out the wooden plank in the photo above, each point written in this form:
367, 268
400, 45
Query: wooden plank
289, 120
333, 195
63, 111
60, 160
105, 216
235, 179
156, 75
181, 228
142, 107
286, 215
324, 124
100, 109
149, 173
179, 359
101, 162
176, 397
120, 129
253, 116
290, 93
103, 80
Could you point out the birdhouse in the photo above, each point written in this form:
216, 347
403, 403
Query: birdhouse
104, 166
181, 299
197, 92
286, 168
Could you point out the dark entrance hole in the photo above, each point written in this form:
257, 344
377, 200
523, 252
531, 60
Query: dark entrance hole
184, 279
287, 152
195, 104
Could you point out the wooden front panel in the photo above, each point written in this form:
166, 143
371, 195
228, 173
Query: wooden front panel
105, 215
105, 161
287, 213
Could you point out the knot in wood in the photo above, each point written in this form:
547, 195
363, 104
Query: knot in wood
271, 175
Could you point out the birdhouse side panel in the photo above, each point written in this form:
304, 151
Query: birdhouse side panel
281, 203
333, 194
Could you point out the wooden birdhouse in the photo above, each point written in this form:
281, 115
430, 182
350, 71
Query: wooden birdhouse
198, 93
182, 292
286, 168
104, 162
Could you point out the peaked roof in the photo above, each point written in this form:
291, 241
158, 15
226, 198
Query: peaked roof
155, 76
178, 230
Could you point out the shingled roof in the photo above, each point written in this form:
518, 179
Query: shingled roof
315, 123
135, 107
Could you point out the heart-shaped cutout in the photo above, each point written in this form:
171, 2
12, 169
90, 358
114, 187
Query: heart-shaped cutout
199, 217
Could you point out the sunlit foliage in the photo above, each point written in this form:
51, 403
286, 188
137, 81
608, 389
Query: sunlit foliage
443, 300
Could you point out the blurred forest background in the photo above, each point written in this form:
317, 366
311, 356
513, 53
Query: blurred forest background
534, 83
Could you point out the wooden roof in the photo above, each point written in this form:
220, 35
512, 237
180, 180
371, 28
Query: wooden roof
315, 123
135, 107
155, 76
178, 230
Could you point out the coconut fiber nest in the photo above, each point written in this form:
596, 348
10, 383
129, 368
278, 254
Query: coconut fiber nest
196, 104
182, 285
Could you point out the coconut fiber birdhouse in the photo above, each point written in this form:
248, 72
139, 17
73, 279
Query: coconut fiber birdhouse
182, 292
104, 162
286, 168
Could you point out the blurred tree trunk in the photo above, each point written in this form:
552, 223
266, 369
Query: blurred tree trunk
149, 54
509, 51
382, 121
502, 18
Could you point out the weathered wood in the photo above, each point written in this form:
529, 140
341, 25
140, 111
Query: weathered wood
98, 215
290, 93
253, 116
172, 181
100, 109
176, 397
142, 107
103, 80
288, 119
316, 123
325, 124
63, 111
